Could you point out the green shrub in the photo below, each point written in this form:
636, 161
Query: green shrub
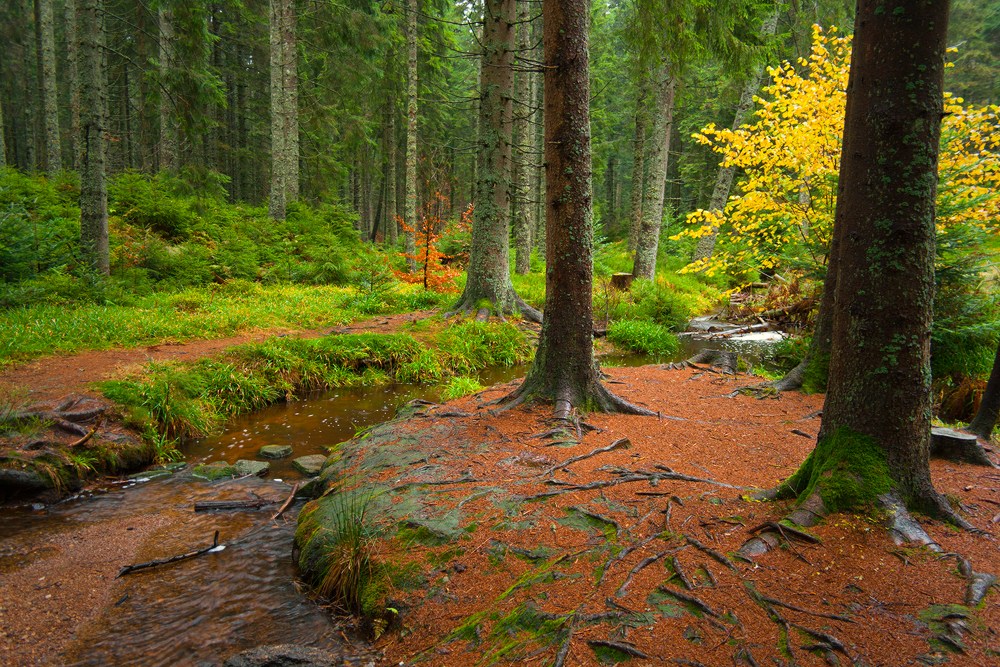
645, 337
460, 386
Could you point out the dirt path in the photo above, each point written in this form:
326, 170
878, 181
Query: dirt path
50, 378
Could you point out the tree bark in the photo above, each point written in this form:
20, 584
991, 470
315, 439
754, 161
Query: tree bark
523, 224
537, 147
724, 177
648, 239
989, 408
391, 226
290, 100
279, 126
879, 384
45, 32
72, 77
564, 369
410, 205
488, 274
638, 167
3, 143
167, 146
93, 189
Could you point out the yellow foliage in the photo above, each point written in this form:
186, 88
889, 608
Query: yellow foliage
782, 212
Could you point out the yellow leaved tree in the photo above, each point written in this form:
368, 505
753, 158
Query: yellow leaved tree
781, 217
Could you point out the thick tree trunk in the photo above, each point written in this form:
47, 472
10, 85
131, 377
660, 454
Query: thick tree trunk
45, 32
724, 177
537, 148
167, 146
638, 167
989, 408
93, 189
410, 205
648, 239
489, 269
279, 125
564, 369
73, 82
523, 224
875, 436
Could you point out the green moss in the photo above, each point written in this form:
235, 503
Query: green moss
609, 655
848, 470
814, 376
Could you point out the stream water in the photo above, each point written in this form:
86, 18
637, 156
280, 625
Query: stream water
205, 609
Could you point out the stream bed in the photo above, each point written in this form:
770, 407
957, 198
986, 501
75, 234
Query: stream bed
205, 609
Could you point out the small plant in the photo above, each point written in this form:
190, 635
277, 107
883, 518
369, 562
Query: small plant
645, 337
460, 386
164, 448
433, 269
352, 571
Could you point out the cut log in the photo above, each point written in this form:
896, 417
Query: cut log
957, 446
621, 281
232, 505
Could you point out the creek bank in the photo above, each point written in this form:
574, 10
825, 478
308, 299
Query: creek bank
493, 537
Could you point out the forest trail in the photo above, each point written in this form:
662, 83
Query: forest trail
50, 378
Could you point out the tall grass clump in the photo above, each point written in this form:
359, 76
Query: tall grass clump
471, 346
645, 337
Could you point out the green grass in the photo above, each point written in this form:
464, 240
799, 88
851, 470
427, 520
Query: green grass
645, 337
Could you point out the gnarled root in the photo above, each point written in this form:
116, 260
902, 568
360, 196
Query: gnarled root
520, 307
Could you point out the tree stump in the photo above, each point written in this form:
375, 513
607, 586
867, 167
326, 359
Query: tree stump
956, 446
621, 281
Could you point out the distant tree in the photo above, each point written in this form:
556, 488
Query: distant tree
874, 440
93, 188
489, 269
989, 408
524, 157
410, 177
3, 144
45, 35
167, 144
564, 369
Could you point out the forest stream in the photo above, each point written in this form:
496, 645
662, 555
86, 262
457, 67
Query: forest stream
206, 609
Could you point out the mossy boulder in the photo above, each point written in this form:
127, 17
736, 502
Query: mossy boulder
275, 451
310, 465
214, 470
247, 467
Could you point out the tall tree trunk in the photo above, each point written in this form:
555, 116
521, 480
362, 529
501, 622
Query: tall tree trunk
989, 408
537, 148
290, 99
279, 127
3, 143
45, 33
638, 166
523, 223
564, 369
724, 177
610, 221
410, 205
875, 436
167, 145
648, 239
72, 75
391, 226
489, 269
93, 189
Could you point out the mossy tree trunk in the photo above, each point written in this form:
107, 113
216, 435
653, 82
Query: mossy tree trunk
648, 238
638, 166
488, 274
45, 34
523, 207
167, 147
391, 226
537, 147
93, 187
564, 369
989, 408
276, 201
290, 99
875, 435
410, 204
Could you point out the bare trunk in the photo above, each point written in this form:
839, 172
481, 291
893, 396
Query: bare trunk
648, 239
523, 223
724, 178
410, 205
93, 189
72, 75
279, 162
290, 100
3, 143
391, 226
168, 126
564, 369
986, 417
638, 167
489, 268
47, 84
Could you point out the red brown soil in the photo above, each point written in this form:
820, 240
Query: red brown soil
855, 571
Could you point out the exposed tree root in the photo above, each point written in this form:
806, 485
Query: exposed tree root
679, 571
644, 563
725, 361
624, 647
718, 556
621, 443
467, 307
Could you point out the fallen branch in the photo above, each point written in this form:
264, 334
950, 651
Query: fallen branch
621, 443
288, 502
720, 557
90, 433
129, 569
232, 505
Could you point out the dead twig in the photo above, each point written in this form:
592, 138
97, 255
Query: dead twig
129, 569
288, 502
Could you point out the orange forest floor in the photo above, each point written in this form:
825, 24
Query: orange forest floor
588, 576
